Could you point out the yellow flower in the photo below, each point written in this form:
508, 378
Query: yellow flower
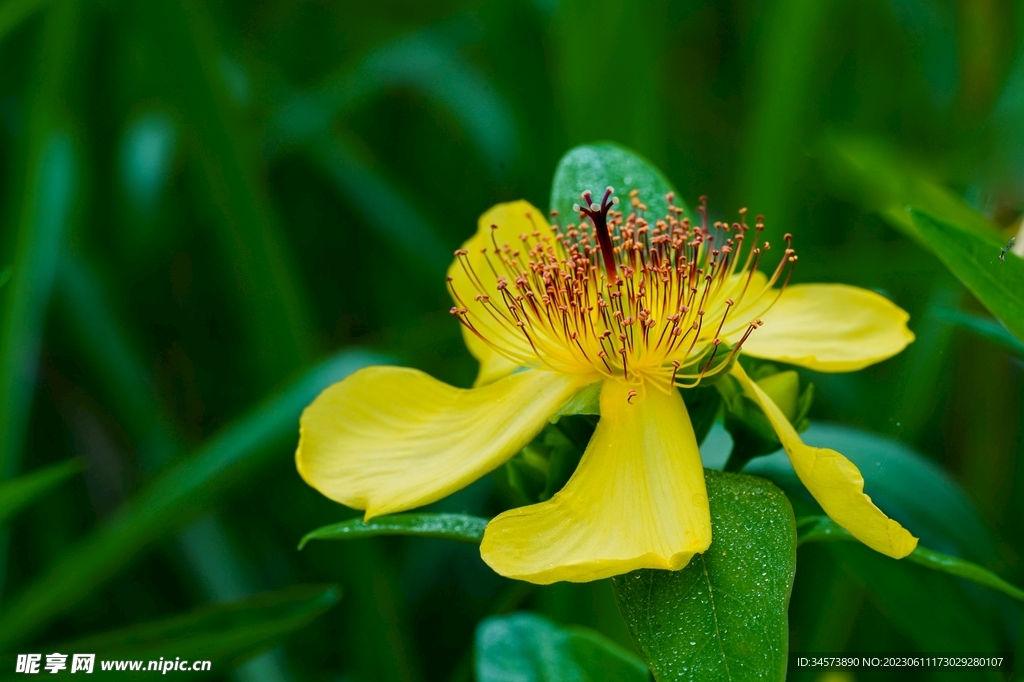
637, 308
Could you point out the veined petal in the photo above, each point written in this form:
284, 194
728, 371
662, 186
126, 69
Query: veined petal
477, 273
637, 500
834, 481
830, 328
388, 439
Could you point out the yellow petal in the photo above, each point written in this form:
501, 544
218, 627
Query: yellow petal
388, 439
492, 365
637, 500
834, 481
477, 273
830, 328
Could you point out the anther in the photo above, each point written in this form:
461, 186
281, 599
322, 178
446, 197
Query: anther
630, 396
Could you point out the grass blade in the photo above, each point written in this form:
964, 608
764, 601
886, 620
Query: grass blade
46, 199
422, 62
20, 492
273, 309
457, 527
792, 38
822, 528
381, 204
222, 634
172, 499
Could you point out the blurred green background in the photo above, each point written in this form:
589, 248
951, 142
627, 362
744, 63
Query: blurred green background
213, 209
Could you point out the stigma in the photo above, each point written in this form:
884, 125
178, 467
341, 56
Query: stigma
652, 302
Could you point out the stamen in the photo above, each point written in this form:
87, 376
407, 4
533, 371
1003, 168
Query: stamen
619, 294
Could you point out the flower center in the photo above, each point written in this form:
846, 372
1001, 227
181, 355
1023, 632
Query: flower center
620, 296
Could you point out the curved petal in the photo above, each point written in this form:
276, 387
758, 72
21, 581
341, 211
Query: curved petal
637, 500
830, 328
477, 273
389, 438
834, 481
492, 365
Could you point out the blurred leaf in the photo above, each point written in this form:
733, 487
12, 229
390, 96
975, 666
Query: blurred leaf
272, 305
457, 527
927, 606
905, 485
821, 528
524, 647
20, 492
974, 260
384, 208
102, 339
224, 634
45, 200
606, 164
984, 327
931, 34
886, 182
13, 12
789, 47
146, 153
172, 499
422, 62
585, 76
219, 631
723, 617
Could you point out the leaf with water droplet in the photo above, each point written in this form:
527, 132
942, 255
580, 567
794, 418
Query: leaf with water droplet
732, 600
458, 527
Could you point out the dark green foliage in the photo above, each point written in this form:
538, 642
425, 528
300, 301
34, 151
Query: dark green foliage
527, 648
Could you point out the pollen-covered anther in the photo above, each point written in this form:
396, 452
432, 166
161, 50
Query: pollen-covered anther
580, 290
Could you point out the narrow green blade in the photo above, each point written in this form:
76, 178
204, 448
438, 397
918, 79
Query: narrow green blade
822, 528
20, 492
457, 527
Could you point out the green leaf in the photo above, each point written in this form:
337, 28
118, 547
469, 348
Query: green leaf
603, 164
19, 493
457, 527
905, 485
819, 528
974, 260
524, 647
224, 634
886, 182
983, 326
177, 496
723, 617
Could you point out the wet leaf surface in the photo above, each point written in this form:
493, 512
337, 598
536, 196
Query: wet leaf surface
724, 616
